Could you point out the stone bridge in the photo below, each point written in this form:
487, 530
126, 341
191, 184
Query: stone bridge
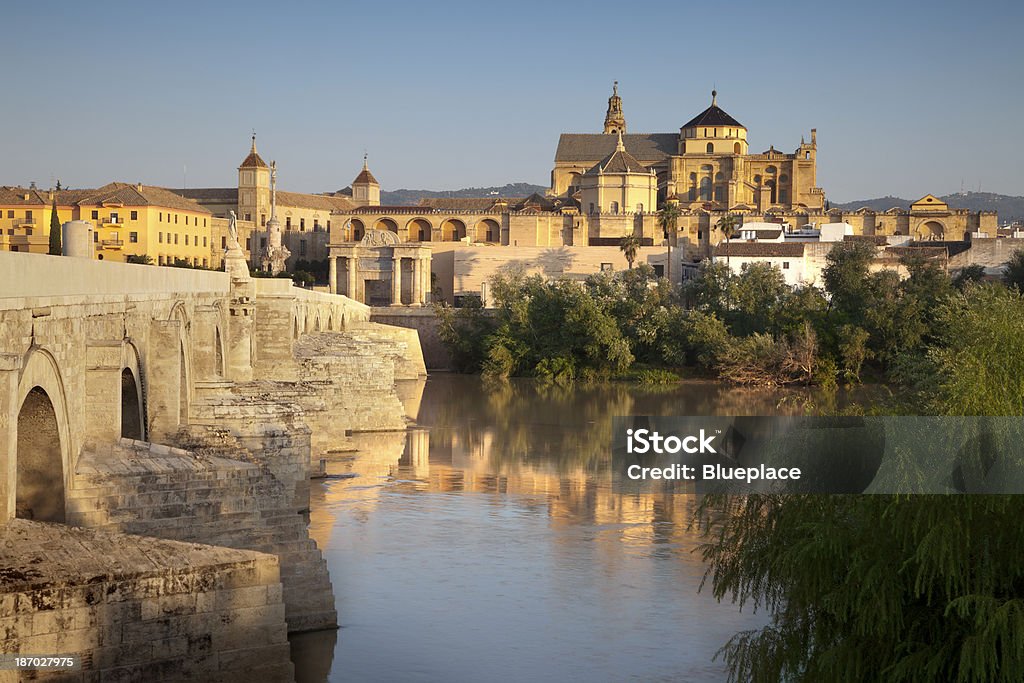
187, 406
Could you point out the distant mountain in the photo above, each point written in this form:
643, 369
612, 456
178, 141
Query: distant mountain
1009, 208
409, 197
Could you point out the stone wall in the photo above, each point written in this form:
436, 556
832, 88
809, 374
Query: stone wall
133, 608
424, 321
990, 252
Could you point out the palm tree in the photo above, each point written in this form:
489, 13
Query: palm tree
668, 216
629, 245
726, 225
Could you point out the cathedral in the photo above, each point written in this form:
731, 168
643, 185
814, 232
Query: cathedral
706, 164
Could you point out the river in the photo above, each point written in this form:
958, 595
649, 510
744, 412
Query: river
486, 544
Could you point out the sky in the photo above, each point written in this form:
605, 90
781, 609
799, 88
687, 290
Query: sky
907, 97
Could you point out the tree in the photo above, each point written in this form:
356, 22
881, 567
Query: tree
629, 245
971, 274
55, 245
668, 218
144, 259
1013, 273
726, 225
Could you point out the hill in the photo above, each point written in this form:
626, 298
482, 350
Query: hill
409, 197
1008, 207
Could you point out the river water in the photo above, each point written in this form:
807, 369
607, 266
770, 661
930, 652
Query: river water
486, 543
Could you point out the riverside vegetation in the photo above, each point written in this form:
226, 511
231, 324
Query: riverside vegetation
859, 587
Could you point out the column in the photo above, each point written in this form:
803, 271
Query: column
353, 266
425, 272
417, 282
396, 280
332, 280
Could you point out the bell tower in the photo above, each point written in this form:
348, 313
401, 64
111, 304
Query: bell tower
614, 120
253, 187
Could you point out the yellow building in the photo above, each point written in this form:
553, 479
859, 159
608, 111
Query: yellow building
141, 220
25, 215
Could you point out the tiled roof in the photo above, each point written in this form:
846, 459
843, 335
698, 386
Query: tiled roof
877, 240
254, 160
712, 116
765, 249
128, 194
649, 148
365, 177
217, 195
325, 202
466, 203
12, 195
619, 161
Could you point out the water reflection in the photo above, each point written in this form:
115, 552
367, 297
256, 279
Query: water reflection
485, 543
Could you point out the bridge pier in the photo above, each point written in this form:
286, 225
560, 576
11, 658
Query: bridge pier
10, 369
168, 386
102, 392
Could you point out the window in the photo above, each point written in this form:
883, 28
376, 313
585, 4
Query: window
263, 219
160, 237
302, 224
161, 217
195, 240
736, 149
204, 263
615, 207
160, 260
263, 243
175, 219
95, 215
248, 243
135, 215
95, 237
186, 239
115, 236
328, 226
204, 240
606, 267
807, 155
28, 215
28, 232
248, 216
288, 223
204, 222
186, 220
114, 217
223, 242
302, 247
175, 238
785, 265
711, 148
133, 237
10, 214
659, 270
316, 225
700, 234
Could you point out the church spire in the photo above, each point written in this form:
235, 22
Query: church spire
614, 120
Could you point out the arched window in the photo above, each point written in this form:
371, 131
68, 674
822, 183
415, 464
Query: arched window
705, 188
736, 149
615, 207
711, 148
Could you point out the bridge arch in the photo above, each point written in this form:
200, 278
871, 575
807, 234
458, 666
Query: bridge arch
179, 312
43, 453
133, 404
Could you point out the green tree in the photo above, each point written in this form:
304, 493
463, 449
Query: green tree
757, 294
1013, 273
55, 245
971, 274
143, 259
668, 218
629, 245
845, 277
726, 226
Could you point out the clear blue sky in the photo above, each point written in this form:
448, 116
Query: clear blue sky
907, 98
